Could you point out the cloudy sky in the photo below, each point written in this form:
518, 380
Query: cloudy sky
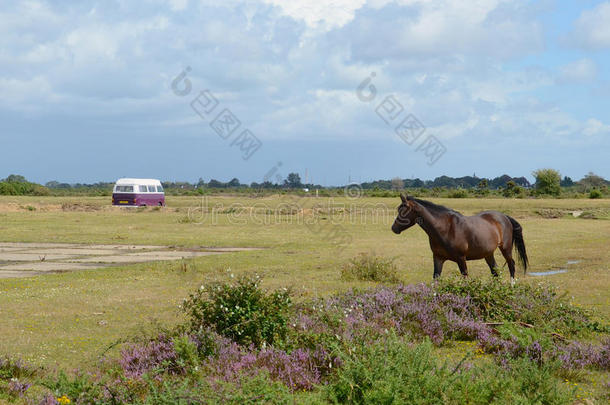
91, 90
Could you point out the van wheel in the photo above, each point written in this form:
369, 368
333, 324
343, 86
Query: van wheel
160, 204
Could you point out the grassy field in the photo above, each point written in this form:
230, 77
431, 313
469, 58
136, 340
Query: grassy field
69, 319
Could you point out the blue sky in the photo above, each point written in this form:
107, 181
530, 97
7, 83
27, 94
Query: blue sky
500, 86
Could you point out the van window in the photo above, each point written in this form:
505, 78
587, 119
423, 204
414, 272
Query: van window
124, 189
151, 189
143, 189
159, 189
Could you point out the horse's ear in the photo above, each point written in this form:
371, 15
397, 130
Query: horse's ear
403, 197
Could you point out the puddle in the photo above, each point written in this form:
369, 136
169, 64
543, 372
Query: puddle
573, 261
548, 273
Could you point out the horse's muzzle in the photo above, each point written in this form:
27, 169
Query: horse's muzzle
396, 229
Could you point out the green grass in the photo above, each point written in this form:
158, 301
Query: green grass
69, 319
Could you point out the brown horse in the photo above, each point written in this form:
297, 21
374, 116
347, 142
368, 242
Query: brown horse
458, 238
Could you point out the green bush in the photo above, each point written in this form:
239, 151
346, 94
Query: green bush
22, 188
392, 371
187, 353
367, 267
78, 389
259, 389
538, 305
241, 311
460, 193
548, 181
595, 193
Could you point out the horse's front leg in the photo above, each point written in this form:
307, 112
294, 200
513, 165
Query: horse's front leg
438, 266
461, 262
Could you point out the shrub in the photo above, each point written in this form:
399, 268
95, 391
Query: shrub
548, 181
513, 190
367, 267
259, 389
595, 193
393, 371
163, 354
241, 311
299, 370
539, 305
78, 389
460, 193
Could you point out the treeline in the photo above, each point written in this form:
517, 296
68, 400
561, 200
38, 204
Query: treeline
18, 185
548, 182
448, 182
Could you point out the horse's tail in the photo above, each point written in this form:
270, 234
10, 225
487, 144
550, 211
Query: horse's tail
519, 243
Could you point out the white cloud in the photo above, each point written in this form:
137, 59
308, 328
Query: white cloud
320, 13
178, 5
290, 68
592, 28
595, 127
580, 71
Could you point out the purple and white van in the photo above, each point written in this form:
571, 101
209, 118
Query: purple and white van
138, 193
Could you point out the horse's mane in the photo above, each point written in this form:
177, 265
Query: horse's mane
433, 207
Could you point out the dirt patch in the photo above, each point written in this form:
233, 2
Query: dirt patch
80, 207
144, 257
47, 267
10, 249
31, 259
550, 213
78, 251
33, 207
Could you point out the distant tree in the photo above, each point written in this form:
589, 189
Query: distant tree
566, 182
215, 184
521, 181
414, 183
200, 183
500, 181
548, 181
293, 181
7, 188
234, 182
592, 180
445, 181
267, 184
511, 189
397, 183
483, 184
15, 178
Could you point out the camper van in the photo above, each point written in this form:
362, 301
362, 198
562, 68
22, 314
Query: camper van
138, 193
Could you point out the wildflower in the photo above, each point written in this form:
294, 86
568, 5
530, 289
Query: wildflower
63, 400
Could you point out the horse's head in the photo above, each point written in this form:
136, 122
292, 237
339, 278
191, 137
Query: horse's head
407, 215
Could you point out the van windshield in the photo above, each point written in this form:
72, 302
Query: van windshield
123, 189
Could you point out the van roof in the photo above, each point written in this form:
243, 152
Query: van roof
129, 181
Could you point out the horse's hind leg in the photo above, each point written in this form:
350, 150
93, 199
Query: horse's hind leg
491, 262
507, 252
